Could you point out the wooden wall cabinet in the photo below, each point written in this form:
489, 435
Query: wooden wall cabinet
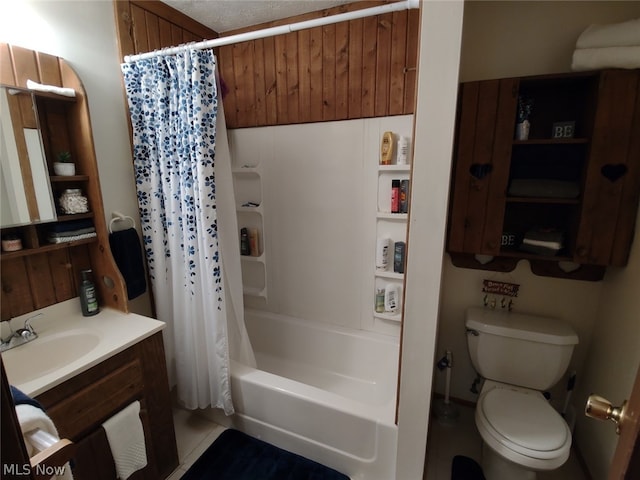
43, 273
577, 173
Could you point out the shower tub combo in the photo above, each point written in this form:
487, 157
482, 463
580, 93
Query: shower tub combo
322, 391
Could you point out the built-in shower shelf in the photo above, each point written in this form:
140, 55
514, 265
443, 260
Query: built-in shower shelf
248, 258
396, 317
247, 185
391, 275
393, 216
255, 291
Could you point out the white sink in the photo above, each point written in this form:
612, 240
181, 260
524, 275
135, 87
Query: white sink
46, 354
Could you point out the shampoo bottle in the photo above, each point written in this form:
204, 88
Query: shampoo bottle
88, 295
398, 257
395, 196
382, 253
386, 149
392, 298
244, 242
402, 155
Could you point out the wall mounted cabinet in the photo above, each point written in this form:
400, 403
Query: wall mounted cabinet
28, 275
571, 187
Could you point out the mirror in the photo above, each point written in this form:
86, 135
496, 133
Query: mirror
25, 193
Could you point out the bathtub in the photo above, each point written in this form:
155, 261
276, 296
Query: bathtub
322, 391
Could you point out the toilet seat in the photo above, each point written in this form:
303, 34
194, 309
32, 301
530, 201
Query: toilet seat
523, 427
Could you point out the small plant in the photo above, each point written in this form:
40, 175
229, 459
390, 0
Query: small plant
64, 157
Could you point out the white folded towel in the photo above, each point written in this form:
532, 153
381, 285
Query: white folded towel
126, 440
67, 92
624, 34
609, 57
31, 418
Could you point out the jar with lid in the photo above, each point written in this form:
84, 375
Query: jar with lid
72, 201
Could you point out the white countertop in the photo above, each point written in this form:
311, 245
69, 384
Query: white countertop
86, 341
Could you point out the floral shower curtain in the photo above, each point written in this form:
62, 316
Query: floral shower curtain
193, 262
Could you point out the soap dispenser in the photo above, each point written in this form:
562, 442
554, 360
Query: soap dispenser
88, 295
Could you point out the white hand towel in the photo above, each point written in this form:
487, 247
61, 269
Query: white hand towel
624, 34
126, 439
31, 418
67, 92
610, 57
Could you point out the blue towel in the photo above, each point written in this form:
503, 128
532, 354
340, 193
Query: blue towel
126, 250
21, 398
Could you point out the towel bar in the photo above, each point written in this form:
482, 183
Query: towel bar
117, 216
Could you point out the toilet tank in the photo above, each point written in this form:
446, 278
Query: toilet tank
519, 349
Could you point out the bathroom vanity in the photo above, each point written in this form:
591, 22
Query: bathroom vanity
115, 359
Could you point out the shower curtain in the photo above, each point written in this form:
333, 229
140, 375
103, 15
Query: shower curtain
187, 212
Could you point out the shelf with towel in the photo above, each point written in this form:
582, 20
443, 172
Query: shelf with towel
543, 157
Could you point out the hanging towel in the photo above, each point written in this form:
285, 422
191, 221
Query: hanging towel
31, 418
125, 247
126, 440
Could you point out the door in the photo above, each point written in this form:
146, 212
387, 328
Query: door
625, 464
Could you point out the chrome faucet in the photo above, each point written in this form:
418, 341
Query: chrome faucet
20, 336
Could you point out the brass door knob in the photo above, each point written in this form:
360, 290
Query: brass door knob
602, 409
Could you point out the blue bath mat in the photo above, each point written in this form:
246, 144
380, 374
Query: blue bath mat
237, 456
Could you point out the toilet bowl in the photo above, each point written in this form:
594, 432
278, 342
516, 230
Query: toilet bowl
522, 429
519, 356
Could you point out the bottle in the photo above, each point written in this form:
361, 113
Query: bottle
398, 257
391, 298
382, 253
244, 242
254, 249
380, 300
386, 149
395, 196
402, 155
88, 295
404, 196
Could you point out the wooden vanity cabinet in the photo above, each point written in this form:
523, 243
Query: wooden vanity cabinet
599, 154
79, 406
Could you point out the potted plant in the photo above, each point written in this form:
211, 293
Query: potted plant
64, 166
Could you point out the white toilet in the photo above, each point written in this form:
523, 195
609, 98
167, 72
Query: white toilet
519, 356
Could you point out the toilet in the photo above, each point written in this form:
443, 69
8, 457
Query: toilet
519, 356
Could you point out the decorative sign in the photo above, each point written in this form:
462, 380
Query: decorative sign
500, 288
563, 129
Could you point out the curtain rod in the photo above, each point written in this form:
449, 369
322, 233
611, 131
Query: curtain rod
279, 30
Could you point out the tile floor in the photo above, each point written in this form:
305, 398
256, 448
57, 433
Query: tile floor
194, 434
462, 438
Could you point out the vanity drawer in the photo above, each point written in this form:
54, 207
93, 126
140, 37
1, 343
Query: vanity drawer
89, 407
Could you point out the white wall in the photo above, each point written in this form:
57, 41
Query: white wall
503, 39
83, 33
319, 189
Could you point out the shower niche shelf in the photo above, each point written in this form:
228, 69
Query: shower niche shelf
247, 185
394, 227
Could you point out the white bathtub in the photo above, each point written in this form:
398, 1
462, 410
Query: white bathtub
322, 391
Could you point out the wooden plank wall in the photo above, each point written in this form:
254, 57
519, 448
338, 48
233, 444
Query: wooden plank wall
357, 69
143, 26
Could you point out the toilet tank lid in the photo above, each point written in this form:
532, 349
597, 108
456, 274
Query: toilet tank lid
521, 325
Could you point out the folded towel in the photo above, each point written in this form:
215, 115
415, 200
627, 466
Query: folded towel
67, 92
609, 57
126, 251
624, 34
126, 440
20, 398
70, 226
73, 238
32, 418
72, 233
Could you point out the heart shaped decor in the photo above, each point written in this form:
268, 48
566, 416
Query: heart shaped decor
613, 172
480, 170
